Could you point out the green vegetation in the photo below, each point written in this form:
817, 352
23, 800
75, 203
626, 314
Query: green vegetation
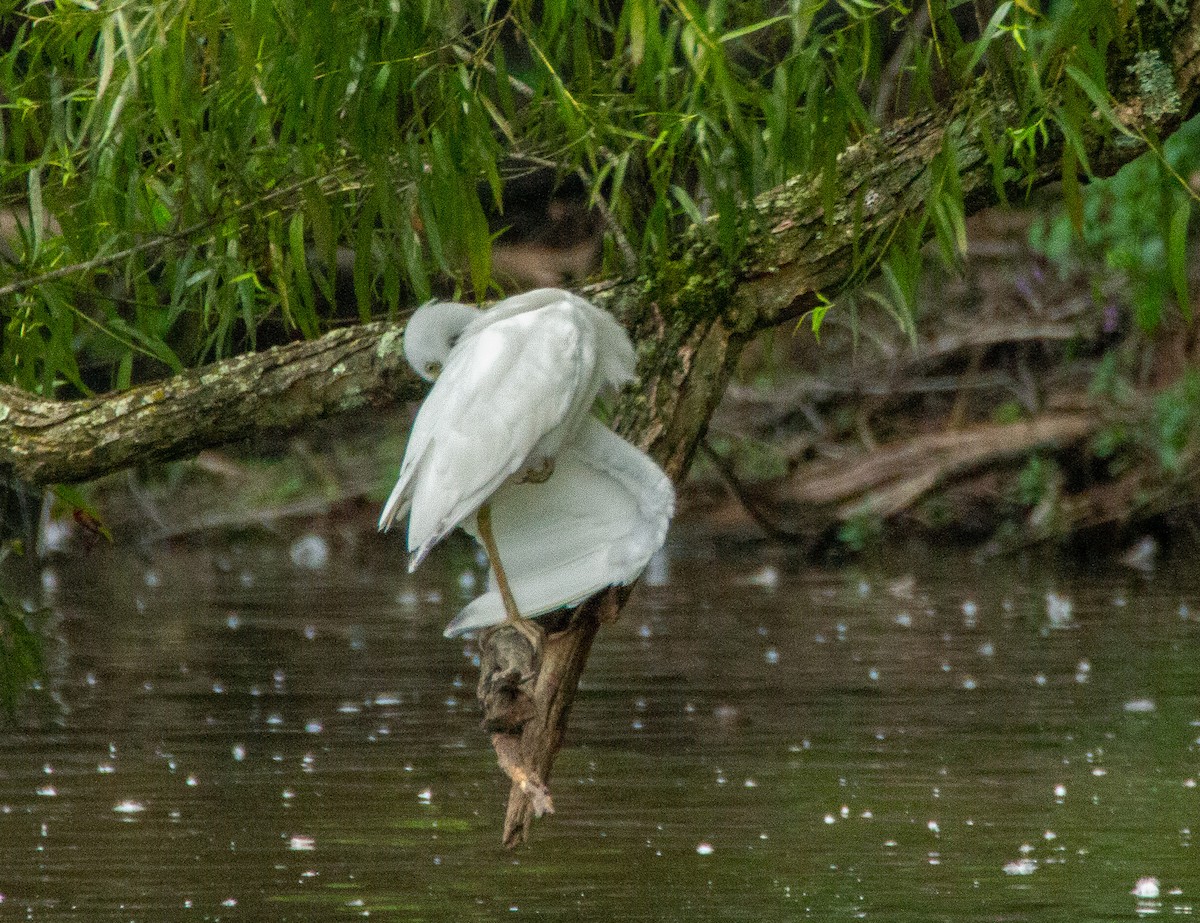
20, 656
180, 182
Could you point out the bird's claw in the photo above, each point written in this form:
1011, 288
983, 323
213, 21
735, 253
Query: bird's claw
510, 658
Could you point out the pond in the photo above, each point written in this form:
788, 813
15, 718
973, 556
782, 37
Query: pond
277, 730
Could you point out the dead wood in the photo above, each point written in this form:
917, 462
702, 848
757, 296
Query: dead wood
894, 477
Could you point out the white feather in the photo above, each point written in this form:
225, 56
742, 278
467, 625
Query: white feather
595, 523
515, 390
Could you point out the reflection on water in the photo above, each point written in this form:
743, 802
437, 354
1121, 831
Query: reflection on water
282, 733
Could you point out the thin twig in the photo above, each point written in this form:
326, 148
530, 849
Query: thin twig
760, 518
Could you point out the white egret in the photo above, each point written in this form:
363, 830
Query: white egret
596, 522
512, 388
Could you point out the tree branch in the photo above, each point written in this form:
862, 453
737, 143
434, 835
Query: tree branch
691, 315
281, 389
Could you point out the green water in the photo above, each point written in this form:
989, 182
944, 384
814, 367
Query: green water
226, 735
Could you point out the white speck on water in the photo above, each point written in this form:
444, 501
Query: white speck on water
1119, 602
771, 655
218, 689
233, 621
750, 783
387, 700
238, 751
105, 769
408, 599
1040, 679
246, 579
152, 579
644, 631
309, 552
946, 667
1140, 706
904, 620
467, 581
302, 843
864, 588
866, 815
1082, 671
1146, 888
314, 727
987, 649
636, 724
844, 811
426, 796
1050, 835
129, 807
969, 682
275, 720
287, 794
1025, 849
1021, 867
933, 827
1099, 771
873, 674
433, 597
55, 535
191, 781
830, 819
310, 632
1058, 611
1060, 792
1189, 783
765, 578
704, 849
229, 902
49, 579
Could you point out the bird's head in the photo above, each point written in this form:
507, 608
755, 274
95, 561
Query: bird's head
432, 332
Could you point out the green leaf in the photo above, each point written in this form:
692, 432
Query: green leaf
752, 28
20, 657
1099, 98
990, 31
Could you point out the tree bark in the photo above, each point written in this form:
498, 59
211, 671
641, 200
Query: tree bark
281, 389
691, 316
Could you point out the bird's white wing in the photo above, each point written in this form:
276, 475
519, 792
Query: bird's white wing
503, 389
594, 523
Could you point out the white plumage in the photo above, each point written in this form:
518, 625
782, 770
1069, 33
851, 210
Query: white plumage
513, 393
595, 523
516, 381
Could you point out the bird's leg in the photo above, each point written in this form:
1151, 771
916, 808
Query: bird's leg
530, 630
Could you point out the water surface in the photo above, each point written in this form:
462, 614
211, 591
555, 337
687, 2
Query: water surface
266, 731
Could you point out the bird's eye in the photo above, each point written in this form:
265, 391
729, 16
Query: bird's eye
434, 369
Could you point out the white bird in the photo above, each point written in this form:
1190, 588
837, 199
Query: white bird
596, 522
513, 386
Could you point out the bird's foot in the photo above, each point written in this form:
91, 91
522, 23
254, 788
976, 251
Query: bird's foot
510, 658
540, 474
